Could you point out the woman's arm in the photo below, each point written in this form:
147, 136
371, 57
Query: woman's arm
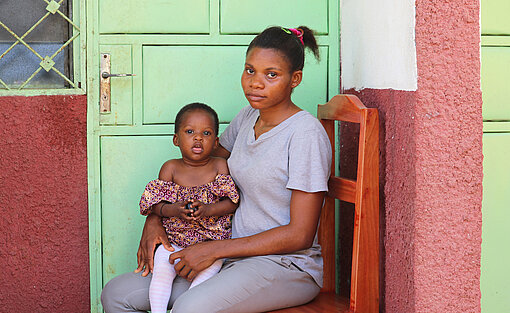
153, 233
297, 235
221, 152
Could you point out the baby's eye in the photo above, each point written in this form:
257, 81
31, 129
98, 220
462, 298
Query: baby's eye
207, 133
272, 75
189, 131
249, 71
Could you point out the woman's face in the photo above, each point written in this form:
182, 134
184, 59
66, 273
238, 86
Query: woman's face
196, 138
267, 79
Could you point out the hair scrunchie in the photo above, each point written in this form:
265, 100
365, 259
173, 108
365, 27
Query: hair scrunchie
296, 31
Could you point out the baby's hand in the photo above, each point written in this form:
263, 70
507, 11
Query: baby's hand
182, 210
199, 209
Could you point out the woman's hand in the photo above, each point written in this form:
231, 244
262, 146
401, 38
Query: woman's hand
194, 259
153, 233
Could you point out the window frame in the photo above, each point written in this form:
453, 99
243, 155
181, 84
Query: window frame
79, 60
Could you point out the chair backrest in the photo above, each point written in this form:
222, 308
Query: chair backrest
364, 193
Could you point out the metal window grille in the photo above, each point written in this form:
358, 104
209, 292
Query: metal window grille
49, 57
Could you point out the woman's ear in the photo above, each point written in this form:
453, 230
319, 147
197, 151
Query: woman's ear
297, 76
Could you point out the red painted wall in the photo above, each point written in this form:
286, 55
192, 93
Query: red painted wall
431, 167
43, 198
449, 157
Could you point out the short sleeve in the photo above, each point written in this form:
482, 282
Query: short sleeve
309, 160
155, 192
224, 186
229, 136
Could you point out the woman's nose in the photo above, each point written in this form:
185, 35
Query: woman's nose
256, 82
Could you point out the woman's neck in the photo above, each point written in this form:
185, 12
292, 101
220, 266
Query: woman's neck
272, 117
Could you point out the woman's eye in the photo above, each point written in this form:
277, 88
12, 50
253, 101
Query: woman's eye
249, 71
271, 75
188, 131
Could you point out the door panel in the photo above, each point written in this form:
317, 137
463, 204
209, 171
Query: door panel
495, 19
495, 273
121, 87
250, 17
494, 281
166, 89
130, 162
496, 83
154, 16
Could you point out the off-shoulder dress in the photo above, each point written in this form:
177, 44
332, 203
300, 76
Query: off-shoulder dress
184, 233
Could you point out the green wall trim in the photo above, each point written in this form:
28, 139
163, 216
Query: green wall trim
496, 127
503, 41
42, 92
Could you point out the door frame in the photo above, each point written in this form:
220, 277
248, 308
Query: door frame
94, 130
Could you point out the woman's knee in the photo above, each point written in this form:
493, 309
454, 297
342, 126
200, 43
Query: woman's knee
111, 298
189, 304
126, 293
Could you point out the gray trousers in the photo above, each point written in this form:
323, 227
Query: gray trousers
255, 284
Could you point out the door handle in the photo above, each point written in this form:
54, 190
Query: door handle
106, 75
105, 88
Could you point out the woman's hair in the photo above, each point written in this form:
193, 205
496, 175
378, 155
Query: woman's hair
195, 106
288, 43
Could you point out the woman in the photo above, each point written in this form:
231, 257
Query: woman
279, 156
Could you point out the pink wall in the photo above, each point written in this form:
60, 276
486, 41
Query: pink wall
431, 170
43, 198
449, 157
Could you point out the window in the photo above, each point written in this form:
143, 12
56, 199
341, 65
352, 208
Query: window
39, 45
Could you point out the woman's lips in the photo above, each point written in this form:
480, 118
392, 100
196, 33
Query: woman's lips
254, 97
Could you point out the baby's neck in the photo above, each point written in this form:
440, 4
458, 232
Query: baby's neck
194, 173
194, 164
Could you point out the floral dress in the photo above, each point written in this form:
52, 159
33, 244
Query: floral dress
182, 232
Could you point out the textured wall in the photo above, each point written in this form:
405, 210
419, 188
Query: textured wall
43, 201
431, 169
397, 192
448, 130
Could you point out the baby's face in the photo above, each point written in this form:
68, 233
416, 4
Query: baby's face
196, 137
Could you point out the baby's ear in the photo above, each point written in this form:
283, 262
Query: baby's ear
176, 140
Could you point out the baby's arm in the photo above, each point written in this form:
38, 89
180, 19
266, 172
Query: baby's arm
222, 207
165, 208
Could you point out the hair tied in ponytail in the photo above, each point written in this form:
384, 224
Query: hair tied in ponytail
296, 31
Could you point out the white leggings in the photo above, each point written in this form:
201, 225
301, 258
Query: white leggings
164, 274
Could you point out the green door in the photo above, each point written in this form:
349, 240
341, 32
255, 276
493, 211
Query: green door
179, 52
495, 270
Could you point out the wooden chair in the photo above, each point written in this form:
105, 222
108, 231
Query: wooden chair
364, 193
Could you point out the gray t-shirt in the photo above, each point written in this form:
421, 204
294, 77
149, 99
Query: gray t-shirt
296, 154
